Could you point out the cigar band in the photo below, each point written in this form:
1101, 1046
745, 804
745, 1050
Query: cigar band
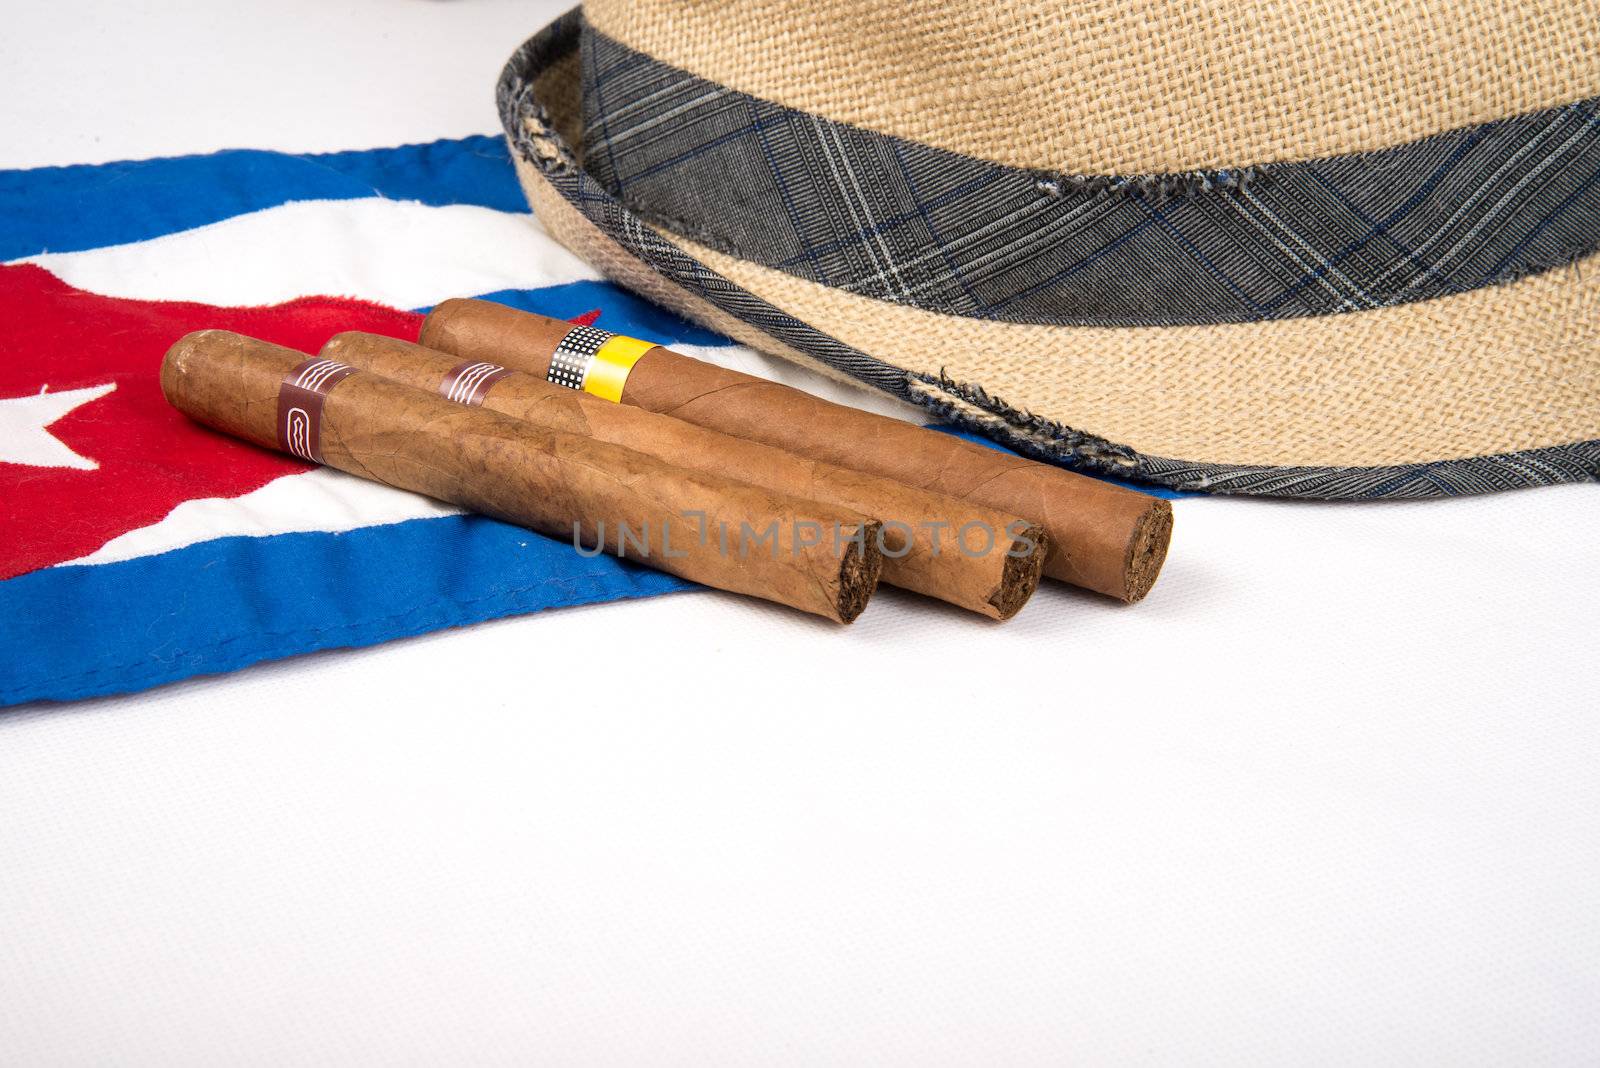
468, 383
300, 405
596, 361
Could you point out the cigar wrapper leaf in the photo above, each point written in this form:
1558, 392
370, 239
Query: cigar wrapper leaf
563, 485
978, 558
1103, 537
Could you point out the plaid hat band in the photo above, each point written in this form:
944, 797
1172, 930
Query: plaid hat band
904, 222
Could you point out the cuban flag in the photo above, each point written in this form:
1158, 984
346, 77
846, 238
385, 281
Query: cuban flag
137, 547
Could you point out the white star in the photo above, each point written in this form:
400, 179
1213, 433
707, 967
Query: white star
23, 437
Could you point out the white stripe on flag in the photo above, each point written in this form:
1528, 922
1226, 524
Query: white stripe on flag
400, 253
319, 500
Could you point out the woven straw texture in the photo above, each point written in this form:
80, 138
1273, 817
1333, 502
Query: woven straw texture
883, 217
1134, 86
1501, 369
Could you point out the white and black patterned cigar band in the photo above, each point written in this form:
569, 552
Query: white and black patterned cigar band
300, 400
468, 383
570, 362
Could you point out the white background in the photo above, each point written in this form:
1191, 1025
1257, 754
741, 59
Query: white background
1331, 795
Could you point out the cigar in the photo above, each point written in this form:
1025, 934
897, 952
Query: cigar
979, 558
1103, 537
711, 530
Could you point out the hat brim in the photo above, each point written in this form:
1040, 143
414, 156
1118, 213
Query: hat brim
1493, 389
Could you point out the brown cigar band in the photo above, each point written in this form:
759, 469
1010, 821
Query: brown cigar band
468, 383
300, 399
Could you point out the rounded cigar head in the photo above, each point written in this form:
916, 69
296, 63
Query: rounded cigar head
179, 365
188, 371
371, 351
228, 381
483, 329
448, 309
1023, 570
201, 355
449, 326
341, 343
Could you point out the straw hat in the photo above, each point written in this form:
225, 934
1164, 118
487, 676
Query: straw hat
1325, 248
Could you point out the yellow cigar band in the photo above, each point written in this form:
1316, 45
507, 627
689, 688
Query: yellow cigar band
608, 370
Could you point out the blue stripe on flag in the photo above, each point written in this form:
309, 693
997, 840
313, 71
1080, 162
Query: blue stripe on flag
68, 209
88, 630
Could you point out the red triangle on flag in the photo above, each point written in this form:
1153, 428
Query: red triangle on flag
85, 463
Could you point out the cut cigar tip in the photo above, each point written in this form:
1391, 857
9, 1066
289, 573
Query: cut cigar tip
1147, 550
858, 573
1022, 573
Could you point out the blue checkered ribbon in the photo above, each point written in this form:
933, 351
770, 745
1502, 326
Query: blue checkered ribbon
900, 221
